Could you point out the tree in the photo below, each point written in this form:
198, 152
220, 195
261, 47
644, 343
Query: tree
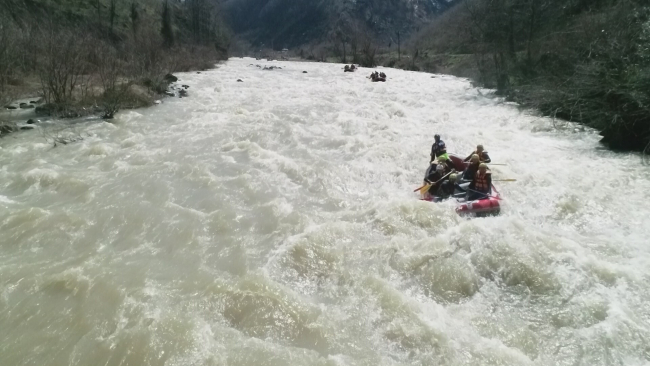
167, 30
135, 19
111, 17
399, 49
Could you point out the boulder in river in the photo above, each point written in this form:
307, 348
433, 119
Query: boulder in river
31, 121
28, 127
26, 106
170, 78
240, 80
304, 72
186, 86
11, 107
182, 93
6, 128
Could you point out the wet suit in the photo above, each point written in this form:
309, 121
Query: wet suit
448, 189
470, 171
437, 149
432, 179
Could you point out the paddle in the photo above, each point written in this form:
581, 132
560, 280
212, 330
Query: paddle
433, 162
426, 187
504, 180
485, 195
497, 164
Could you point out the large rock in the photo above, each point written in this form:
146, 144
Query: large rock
26, 106
170, 78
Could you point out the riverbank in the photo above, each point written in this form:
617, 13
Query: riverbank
88, 99
68, 60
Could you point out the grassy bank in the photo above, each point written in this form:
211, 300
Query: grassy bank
99, 56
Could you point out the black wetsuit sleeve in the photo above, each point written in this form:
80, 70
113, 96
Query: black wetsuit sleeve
451, 165
486, 158
489, 181
469, 157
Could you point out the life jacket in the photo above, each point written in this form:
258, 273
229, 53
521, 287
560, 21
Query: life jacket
481, 182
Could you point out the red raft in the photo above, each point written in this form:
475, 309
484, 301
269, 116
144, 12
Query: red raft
488, 206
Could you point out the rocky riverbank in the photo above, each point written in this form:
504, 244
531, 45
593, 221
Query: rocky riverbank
29, 112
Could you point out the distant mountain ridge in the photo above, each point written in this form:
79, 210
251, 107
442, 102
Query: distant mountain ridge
289, 23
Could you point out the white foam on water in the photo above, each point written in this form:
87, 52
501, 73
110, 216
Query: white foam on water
273, 222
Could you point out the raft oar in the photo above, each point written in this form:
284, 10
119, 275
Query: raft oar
485, 195
426, 187
504, 180
497, 164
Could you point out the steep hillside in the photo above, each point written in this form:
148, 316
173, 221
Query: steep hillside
289, 23
581, 61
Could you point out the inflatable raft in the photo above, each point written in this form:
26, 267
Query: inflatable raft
488, 206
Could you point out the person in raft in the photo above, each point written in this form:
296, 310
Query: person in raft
481, 184
446, 163
450, 187
472, 168
438, 149
434, 179
482, 155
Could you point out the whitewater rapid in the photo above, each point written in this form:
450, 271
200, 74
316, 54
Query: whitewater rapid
273, 222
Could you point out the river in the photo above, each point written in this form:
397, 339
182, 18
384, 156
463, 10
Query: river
273, 222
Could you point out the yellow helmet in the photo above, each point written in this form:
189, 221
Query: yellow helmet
482, 166
474, 158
